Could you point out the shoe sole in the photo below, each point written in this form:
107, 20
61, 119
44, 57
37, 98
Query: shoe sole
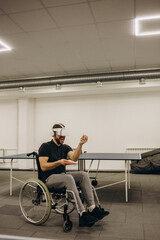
104, 215
88, 224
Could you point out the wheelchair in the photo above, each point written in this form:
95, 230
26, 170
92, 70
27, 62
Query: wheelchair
37, 201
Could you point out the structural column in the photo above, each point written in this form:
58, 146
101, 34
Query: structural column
25, 130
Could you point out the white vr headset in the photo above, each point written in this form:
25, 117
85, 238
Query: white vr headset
60, 131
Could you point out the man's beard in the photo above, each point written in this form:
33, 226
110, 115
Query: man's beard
57, 141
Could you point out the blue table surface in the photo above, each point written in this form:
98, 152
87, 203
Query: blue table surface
87, 156
18, 156
110, 156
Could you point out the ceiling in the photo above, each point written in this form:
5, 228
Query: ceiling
61, 37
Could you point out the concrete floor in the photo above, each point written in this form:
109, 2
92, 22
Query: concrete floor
139, 219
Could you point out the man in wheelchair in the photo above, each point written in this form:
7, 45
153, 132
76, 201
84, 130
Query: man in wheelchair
53, 159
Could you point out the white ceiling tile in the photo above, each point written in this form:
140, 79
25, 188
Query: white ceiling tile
23, 67
63, 52
56, 52
55, 3
31, 54
3, 78
80, 33
151, 62
7, 59
72, 15
66, 58
23, 46
7, 26
72, 66
1, 13
9, 70
33, 20
147, 8
89, 50
116, 29
48, 38
108, 10
115, 47
122, 63
150, 26
97, 66
148, 46
49, 67
19, 41
11, 6
12, 74
27, 67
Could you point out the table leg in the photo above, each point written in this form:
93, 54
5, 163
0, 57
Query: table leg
97, 168
126, 180
129, 175
90, 166
11, 177
82, 165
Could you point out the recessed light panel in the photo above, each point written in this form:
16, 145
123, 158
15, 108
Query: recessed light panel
147, 26
4, 47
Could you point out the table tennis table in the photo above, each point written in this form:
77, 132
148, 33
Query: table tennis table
17, 156
127, 157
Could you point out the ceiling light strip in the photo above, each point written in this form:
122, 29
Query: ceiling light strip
6, 47
137, 26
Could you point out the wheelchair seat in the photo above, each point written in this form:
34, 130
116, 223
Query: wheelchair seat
58, 190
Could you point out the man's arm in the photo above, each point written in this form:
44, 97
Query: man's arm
75, 155
46, 166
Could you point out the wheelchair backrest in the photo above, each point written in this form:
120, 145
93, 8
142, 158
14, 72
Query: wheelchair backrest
35, 154
38, 167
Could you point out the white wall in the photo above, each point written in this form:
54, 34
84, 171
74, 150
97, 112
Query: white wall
113, 122
26, 131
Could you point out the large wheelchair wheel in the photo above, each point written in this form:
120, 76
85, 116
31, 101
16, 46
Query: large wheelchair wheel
35, 201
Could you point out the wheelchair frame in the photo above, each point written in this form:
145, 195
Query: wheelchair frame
37, 201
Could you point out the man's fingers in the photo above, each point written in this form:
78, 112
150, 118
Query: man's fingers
84, 138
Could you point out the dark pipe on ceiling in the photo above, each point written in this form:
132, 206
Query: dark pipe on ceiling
77, 79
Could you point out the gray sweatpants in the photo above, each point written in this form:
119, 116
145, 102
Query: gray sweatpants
69, 180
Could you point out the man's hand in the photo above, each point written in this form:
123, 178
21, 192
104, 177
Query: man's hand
84, 139
62, 162
75, 155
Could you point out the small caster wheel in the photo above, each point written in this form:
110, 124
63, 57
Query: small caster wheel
67, 226
94, 182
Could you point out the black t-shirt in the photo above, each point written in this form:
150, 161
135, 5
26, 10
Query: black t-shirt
54, 153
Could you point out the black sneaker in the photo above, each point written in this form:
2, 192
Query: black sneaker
99, 213
87, 220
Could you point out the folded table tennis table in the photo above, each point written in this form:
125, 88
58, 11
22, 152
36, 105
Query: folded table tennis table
13, 157
127, 157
